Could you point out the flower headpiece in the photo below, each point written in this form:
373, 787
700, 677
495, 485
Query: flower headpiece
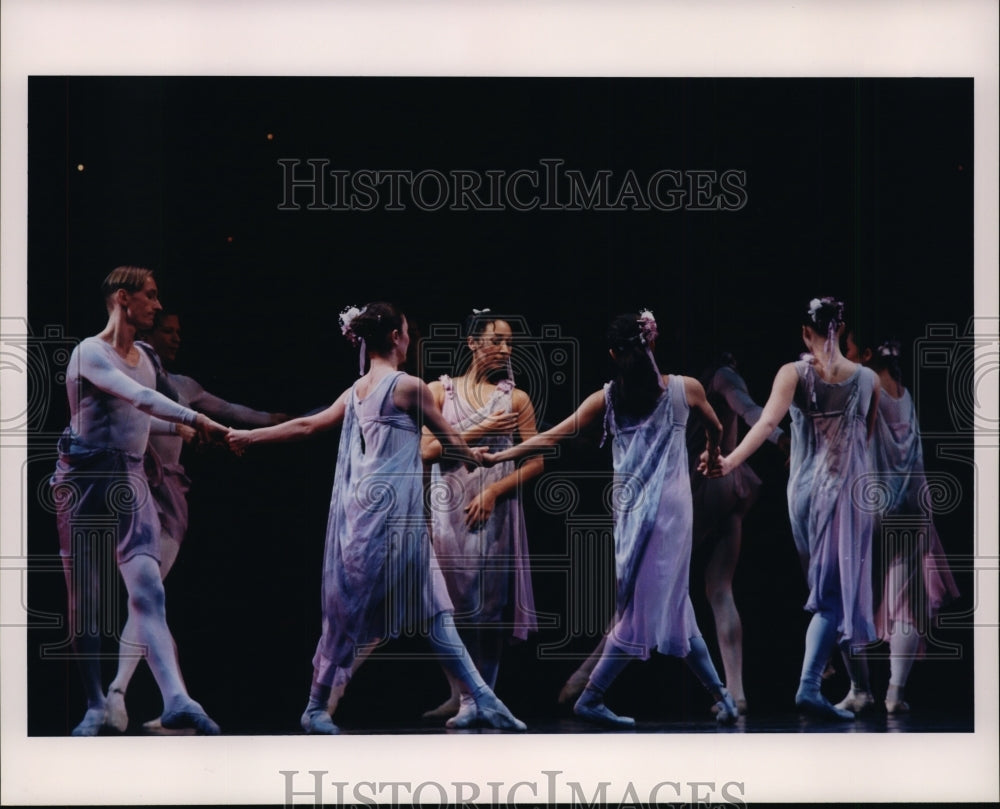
889, 348
347, 318
647, 327
648, 332
815, 306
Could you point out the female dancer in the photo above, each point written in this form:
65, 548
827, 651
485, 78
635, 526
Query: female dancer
477, 519
167, 482
99, 474
834, 403
917, 579
377, 574
646, 414
719, 507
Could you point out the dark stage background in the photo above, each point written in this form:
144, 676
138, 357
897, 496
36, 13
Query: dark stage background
856, 188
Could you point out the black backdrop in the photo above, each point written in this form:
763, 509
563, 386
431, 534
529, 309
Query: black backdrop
860, 188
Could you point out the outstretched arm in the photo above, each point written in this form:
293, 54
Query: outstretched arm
733, 388
774, 411
293, 430
413, 396
591, 411
482, 505
218, 408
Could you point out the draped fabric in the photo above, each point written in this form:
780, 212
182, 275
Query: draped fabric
651, 501
829, 461
487, 568
377, 581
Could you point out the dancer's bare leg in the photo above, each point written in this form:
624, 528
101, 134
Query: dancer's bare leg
719, 573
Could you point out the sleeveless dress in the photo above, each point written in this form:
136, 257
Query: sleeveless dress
651, 502
487, 570
918, 580
377, 579
829, 460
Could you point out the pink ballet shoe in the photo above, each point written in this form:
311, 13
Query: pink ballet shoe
896, 706
466, 716
857, 701
446, 709
116, 717
489, 712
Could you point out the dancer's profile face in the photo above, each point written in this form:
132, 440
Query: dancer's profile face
166, 337
403, 343
141, 306
492, 348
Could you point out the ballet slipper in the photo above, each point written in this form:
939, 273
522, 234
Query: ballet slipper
91, 723
184, 712
725, 710
741, 707
446, 709
153, 725
573, 687
856, 701
114, 706
466, 715
492, 712
815, 704
318, 721
894, 702
592, 709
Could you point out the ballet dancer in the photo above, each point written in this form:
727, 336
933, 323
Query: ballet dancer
834, 405
113, 407
645, 413
917, 580
480, 541
378, 580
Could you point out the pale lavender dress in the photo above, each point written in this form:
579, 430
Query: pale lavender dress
377, 578
651, 501
917, 578
487, 570
829, 459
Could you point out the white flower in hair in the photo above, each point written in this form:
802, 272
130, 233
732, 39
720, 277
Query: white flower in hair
647, 327
347, 317
814, 307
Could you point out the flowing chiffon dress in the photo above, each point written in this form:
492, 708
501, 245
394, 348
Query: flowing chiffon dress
377, 574
486, 569
829, 463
